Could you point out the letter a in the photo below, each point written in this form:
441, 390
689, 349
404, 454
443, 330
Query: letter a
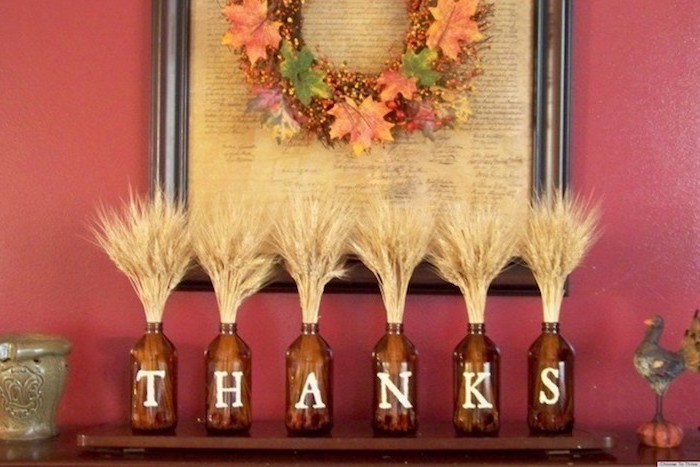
220, 389
310, 387
470, 388
402, 396
150, 376
551, 384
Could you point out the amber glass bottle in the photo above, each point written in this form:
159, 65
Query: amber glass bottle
228, 383
476, 379
309, 384
550, 383
153, 382
395, 372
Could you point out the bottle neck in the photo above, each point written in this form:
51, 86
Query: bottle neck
394, 328
550, 328
154, 328
476, 328
227, 328
309, 328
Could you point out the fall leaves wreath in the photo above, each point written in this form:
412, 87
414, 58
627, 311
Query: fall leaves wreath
301, 95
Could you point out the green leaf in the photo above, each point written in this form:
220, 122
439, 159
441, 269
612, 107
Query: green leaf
288, 55
296, 67
420, 66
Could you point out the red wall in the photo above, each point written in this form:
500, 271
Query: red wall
74, 105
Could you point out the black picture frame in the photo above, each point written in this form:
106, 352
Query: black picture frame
551, 161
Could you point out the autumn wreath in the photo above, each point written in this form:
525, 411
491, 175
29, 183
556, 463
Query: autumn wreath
299, 94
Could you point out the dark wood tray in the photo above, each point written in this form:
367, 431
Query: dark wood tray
356, 436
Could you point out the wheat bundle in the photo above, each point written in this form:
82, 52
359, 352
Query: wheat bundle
149, 242
471, 247
559, 231
229, 237
310, 234
391, 239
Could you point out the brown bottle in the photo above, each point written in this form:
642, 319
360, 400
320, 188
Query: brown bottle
228, 383
309, 384
395, 372
153, 382
476, 378
550, 391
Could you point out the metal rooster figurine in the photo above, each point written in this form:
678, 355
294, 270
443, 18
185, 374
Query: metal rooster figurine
660, 367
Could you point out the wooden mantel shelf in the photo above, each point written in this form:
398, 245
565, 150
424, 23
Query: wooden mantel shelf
354, 436
350, 444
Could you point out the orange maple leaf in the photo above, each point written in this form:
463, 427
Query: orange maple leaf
453, 23
250, 28
394, 83
364, 123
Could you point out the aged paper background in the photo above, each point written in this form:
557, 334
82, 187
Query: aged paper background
488, 159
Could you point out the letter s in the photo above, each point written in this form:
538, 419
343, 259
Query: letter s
550, 384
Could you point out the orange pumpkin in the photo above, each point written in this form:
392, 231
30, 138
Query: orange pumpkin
660, 434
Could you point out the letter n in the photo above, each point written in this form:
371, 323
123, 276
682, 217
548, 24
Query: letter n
388, 384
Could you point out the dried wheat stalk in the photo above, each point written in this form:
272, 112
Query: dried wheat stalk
149, 242
471, 247
391, 239
310, 234
229, 237
559, 231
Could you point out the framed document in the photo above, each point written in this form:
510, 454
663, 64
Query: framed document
207, 138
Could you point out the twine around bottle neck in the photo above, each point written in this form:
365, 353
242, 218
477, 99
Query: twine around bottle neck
394, 328
154, 327
227, 328
476, 328
309, 328
550, 327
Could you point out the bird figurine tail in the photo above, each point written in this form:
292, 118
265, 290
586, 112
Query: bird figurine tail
690, 347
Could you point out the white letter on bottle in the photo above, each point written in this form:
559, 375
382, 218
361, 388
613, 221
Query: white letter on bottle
311, 387
470, 388
150, 376
402, 396
550, 384
235, 389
